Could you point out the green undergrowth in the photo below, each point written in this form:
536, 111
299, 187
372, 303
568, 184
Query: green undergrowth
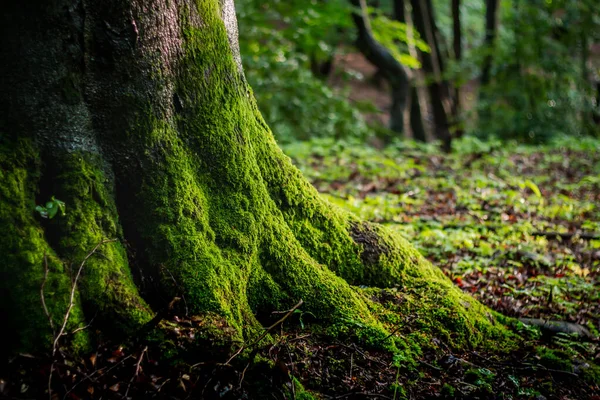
481, 215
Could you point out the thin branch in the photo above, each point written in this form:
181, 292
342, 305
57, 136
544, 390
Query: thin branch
376, 395
61, 332
81, 328
137, 371
72, 296
89, 377
266, 332
42, 293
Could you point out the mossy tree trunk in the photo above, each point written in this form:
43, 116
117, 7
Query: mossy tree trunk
137, 116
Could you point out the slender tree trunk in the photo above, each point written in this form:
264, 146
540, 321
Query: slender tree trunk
431, 67
491, 29
457, 47
416, 119
137, 115
596, 114
379, 56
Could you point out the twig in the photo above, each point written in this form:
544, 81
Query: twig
162, 384
68, 312
178, 288
72, 296
137, 370
81, 328
536, 367
42, 293
391, 334
366, 357
89, 377
430, 365
266, 332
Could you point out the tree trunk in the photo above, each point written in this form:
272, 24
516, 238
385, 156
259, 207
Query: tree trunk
457, 47
422, 17
137, 116
491, 29
380, 57
416, 119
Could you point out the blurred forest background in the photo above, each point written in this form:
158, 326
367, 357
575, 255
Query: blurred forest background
424, 69
365, 96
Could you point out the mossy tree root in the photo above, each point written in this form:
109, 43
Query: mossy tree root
172, 158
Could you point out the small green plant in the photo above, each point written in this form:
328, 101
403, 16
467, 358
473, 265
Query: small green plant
301, 314
480, 377
448, 391
51, 208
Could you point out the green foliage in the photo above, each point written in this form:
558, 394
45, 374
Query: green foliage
480, 377
448, 391
396, 36
539, 89
51, 208
278, 42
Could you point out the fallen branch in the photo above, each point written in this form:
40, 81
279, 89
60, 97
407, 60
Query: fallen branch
554, 327
137, 371
568, 236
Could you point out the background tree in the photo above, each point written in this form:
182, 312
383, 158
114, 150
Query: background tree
491, 29
415, 115
385, 62
424, 20
457, 50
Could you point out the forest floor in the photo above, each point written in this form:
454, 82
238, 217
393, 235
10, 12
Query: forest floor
516, 227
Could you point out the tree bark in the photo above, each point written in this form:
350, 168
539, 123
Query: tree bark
136, 114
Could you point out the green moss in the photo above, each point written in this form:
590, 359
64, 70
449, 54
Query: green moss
25, 254
300, 392
555, 359
399, 391
106, 285
591, 373
226, 216
220, 216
